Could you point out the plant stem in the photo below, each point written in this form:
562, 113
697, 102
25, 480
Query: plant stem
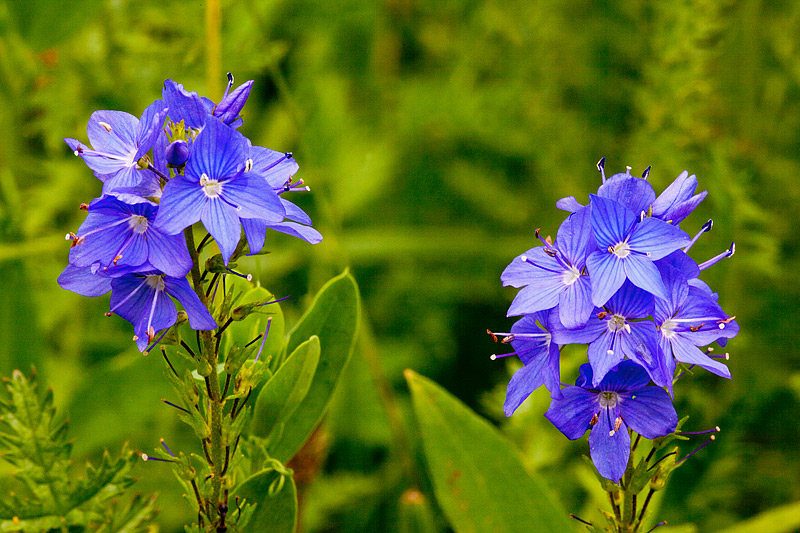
216, 402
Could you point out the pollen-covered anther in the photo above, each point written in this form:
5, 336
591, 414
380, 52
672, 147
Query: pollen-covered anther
726, 320
617, 425
602, 314
695, 328
106, 126
151, 334
84, 207
108, 313
627, 327
117, 258
506, 340
594, 419
550, 252
135, 337
536, 232
549, 240
492, 335
611, 249
248, 165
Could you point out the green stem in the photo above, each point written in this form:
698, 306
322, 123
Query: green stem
216, 402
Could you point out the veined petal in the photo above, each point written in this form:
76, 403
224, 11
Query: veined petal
223, 224
611, 222
686, 352
599, 357
535, 298
113, 132
538, 267
573, 412
569, 204
701, 311
593, 328
82, 281
679, 260
181, 205
684, 209
231, 105
294, 213
631, 302
307, 233
645, 275
219, 152
275, 167
607, 273
186, 105
641, 346
149, 127
628, 376
168, 253
255, 231
199, 317
649, 412
575, 303
253, 198
657, 238
634, 193
524, 381
609, 452
574, 238
126, 178
101, 235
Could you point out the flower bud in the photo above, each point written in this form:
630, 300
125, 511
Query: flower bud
177, 153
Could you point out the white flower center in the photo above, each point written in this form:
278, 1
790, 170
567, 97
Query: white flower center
211, 188
137, 223
156, 281
668, 328
616, 323
608, 399
570, 276
621, 250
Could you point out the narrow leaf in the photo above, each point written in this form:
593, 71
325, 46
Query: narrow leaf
278, 513
781, 519
477, 474
281, 395
333, 317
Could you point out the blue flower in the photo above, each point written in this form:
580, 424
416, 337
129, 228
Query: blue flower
216, 189
615, 333
554, 274
627, 249
119, 141
690, 318
533, 344
678, 200
622, 400
142, 299
194, 109
278, 170
122, 234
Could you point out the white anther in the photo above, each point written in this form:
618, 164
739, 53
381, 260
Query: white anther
145, 457
249, 277
106, 126
76, 152
717, 428
248, 165
627, 327
68, 237
722, 326
727, 356
611, 433
610, 352
523, 258
493, 357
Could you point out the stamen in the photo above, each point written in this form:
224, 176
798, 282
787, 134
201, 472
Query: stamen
128, 297
84, 207
726, 356
248, 165
711, 439
276, 301
494, 337
727, 253
164, 444
248, 277
706, 227
106, 126
150, 348
146, 457
580, 520
628, 171
594, 420
264, 340
646, 173
712, 430
175, 406
601, 166
664, 523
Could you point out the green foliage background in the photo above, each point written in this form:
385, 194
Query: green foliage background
436, 136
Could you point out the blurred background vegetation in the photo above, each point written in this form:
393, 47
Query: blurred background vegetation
436, 136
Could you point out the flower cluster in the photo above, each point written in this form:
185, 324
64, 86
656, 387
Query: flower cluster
618, 278
181, 162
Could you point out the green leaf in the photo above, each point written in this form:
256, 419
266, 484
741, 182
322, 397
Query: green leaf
281, 395
333, 317
477, 474
276, 513
781, 519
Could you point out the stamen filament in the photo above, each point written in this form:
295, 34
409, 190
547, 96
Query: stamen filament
711, 439
164, 444
706, 227
714, 260
264, 339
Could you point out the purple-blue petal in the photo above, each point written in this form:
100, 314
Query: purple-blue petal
275, 167
231, 105
657, 238
307, 233
609, 452
599, 357
574, 238
631, 302
186, 105
168, 253
82, 281
569, 204
223, 224
649, 412
627, 376
219, 152
611, 222
199, 317
524, 381
607, 273
253, 198
686, 352
181, 205
575, 303
634, 193
573, 412
641, 271
120, 140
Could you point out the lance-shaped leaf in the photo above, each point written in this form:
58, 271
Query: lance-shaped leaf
333, 317
244, 331
276, 513
477, 474
281, 395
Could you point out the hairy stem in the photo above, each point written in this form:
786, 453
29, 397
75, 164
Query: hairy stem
216, 402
